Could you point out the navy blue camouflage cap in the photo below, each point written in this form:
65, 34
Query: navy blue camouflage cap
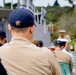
40, 43
63, 41
21, 18
58, 43
2, 33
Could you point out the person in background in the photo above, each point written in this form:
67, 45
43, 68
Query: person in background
65, 50
74, 70
65, 47
63, 58
63, 35
35, 41
40, 43
20, 56
2, 37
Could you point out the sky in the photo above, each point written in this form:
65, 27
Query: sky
43, 2
50, 2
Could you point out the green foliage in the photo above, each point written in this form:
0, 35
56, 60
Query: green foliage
73, 38
73, 42
54, 36
54, 13
73, 35
15, 5
0, 6
8, 5
37, 8
47, 22
70, 1
49, 16
68, 22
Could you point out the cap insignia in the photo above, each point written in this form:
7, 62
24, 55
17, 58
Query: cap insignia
17, 23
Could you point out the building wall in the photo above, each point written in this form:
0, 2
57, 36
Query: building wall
5, 28
42, 34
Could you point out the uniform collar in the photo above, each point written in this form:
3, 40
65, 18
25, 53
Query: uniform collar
1, 44
19, 39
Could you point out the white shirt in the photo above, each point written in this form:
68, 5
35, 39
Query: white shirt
64, 50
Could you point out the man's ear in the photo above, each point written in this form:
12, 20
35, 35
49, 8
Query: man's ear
32, 29
9, 27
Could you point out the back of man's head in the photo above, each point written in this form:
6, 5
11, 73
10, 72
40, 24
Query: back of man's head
21, 23
2, 37
41, 43
58, 43
35, 41
63, 41
2, 34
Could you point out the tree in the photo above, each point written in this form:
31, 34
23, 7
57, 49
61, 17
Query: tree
72, 2
49, 16
56, 4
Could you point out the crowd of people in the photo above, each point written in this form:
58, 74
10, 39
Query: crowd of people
24, 55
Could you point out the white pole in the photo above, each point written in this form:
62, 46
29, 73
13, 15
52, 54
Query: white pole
22, 3
34, 9
52, 27
4, 3
11, 4
18, 4
37, 17
27, 4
